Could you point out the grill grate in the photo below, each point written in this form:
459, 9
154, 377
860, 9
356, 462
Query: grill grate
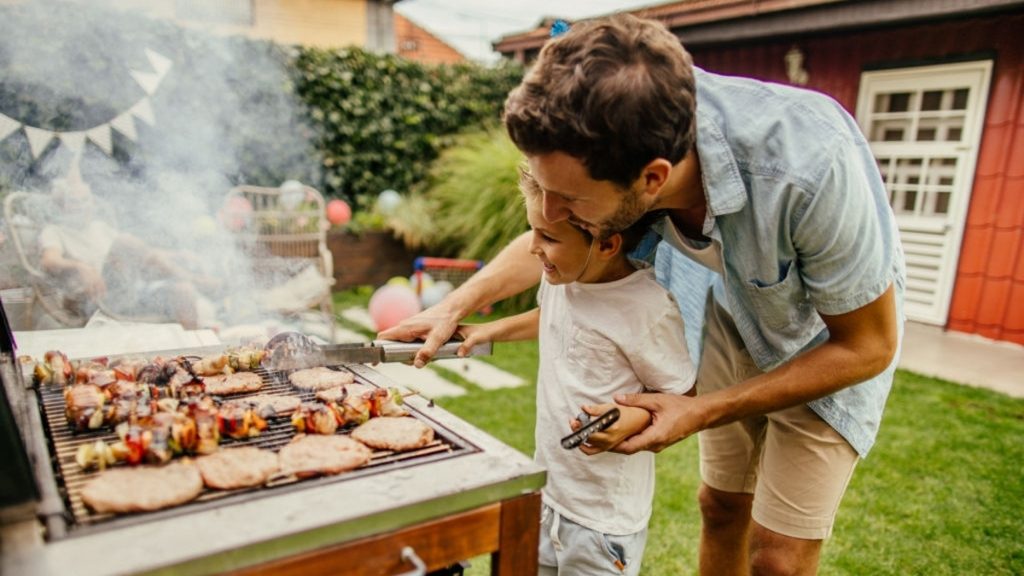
64, 443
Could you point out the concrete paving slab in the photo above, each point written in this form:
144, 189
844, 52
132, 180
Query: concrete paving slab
429, 383
481, 373
963, 358
360, 316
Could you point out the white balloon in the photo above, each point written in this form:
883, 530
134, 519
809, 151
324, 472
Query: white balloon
388, 201
415, 279
431, 295
444, 287
291, 194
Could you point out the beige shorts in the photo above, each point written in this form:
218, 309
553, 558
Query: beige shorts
796, 466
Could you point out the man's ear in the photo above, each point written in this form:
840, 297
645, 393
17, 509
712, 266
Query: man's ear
609, 247
654, 175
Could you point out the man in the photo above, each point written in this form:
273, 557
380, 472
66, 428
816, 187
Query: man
773, 193
98, 263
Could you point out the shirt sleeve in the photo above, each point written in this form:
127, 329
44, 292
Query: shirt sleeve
661, 360
845, 235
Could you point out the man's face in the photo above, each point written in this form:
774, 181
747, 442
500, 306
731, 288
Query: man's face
569, 193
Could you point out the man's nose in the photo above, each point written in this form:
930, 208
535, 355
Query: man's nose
554, 208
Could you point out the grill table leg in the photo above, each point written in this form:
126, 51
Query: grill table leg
519, 537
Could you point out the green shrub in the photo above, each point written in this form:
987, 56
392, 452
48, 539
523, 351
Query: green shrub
381, 119
470, 206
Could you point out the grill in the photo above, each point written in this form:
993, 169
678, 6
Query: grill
464, 495
64, 443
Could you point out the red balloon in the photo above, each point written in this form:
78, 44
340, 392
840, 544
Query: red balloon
391, 304
338, 212
237, 213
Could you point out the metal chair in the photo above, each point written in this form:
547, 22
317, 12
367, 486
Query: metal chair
284, 233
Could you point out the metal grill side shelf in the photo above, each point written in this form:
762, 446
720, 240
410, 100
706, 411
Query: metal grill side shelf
64, 442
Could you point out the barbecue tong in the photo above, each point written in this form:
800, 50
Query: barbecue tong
294, 350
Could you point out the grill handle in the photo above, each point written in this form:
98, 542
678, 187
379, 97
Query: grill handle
419, 567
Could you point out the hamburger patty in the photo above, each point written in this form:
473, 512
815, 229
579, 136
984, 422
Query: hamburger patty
398, 434
238, 467
337, 393
313, 455
232, 383
143, 489
319, 378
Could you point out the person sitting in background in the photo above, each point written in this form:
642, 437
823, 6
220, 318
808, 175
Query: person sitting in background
99, 264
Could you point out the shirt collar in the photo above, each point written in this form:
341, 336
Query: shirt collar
723, 185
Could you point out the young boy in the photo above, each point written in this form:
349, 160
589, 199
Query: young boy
605, 328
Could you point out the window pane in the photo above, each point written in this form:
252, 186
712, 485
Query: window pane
931, 100
942, 203
960, 99
908, 201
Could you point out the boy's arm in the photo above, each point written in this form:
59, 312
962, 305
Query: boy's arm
519, 327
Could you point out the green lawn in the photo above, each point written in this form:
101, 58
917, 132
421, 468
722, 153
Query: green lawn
942, 492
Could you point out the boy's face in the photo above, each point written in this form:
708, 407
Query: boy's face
569, 193
562, 249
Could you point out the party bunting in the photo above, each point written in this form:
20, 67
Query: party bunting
100, 136
38, 139
124, 123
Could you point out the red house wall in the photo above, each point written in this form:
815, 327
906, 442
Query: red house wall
988, 297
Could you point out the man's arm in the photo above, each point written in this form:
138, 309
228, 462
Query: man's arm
512, 271
861, 345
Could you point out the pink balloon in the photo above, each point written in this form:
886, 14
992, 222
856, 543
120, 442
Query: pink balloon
391, 304
236, 213
338, 212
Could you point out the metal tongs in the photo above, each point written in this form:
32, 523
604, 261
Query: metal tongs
294, 350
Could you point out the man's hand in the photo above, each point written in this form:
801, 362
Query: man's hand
434, 326
673, 418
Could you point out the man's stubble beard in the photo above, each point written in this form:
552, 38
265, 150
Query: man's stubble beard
630, 210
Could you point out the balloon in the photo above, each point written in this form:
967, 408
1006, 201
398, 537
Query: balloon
292, 193
338, 212
204, 226
398, 280
388, 201
431, 295
420, 277
237, 213
390, 304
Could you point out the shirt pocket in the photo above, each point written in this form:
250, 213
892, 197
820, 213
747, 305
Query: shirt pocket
780, 304
591, 354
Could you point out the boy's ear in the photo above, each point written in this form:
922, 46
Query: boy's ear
609, 247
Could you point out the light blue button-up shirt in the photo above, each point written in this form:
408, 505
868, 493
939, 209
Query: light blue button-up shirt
796, 203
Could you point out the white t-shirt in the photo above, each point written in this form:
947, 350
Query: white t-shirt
598, 340
89, 244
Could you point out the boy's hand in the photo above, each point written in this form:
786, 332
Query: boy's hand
631, 421
473, 334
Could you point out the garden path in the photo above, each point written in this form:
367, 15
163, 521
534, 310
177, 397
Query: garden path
428, 381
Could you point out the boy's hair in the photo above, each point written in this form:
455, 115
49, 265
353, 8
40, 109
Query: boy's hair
630, 236
614, 92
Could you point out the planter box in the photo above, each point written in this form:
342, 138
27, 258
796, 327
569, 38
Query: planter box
370, 258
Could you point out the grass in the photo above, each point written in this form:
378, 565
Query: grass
942, 492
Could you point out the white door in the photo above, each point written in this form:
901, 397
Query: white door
924, 125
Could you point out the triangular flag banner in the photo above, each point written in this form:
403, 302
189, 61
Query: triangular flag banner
160, 63
38, 139
125, 124
143, 111
73, 140
7, 126
148, 80
100, 136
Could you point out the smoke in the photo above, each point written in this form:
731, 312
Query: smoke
188, 115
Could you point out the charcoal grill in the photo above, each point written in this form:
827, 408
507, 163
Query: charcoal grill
463, 495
